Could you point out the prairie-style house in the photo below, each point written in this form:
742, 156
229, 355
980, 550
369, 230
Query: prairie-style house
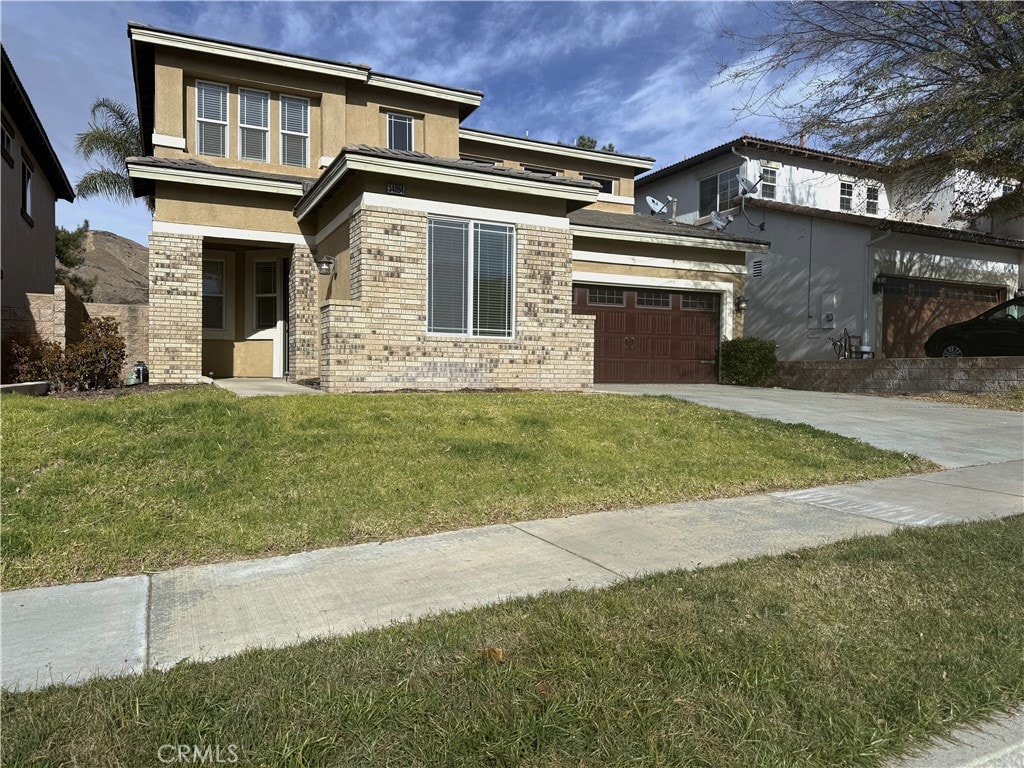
322, 220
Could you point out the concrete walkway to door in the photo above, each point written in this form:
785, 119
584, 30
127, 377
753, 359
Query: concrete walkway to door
950, 435
261, 387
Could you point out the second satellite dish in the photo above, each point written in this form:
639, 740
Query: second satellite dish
718, 221
655, 205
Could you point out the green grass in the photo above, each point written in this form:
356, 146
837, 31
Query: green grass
98, 488
836, 656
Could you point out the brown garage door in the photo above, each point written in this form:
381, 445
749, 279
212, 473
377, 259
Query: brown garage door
913, 309
650, 336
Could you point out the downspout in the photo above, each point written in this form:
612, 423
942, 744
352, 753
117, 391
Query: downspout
869, 280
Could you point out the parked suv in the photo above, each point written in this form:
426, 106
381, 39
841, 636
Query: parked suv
998, 331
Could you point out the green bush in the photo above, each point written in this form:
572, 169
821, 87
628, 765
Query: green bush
749, 362
94, 362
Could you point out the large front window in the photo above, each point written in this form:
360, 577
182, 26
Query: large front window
718, 192
470, 278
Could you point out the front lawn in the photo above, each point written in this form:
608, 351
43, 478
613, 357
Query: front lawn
838, 656
121, 486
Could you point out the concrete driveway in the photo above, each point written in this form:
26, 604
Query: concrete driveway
950, 435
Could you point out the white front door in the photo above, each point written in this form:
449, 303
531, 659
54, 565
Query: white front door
265, 319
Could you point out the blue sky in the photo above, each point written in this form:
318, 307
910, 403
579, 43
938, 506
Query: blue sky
636, 74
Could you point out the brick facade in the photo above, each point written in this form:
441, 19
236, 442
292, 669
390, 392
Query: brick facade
175, 308
378, 340
303, 316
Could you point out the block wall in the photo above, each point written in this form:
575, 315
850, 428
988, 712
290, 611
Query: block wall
175, 308
947, 374
378, 341
303, 316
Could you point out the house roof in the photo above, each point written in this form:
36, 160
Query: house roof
144, 186
19, 106
399, 162
631, 222
639, 162
768, 145
893, 225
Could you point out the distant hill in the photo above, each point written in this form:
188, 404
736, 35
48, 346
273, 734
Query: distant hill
120, 266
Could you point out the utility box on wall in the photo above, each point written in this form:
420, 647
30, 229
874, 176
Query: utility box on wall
827, 318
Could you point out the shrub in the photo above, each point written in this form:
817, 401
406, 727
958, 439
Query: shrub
95, 362
749, 362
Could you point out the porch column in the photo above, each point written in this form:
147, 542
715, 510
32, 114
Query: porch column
175, 308
303, 316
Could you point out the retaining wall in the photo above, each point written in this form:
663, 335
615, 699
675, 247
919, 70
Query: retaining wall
948, 374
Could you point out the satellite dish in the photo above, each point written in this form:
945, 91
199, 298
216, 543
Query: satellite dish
655, 205
747, 186
718, 221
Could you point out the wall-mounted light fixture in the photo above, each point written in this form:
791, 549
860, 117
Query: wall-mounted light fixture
878, 285
741, 304
1019, 292
326, 265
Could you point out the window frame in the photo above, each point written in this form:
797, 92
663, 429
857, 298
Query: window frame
605, 296
601, 180
772, 184
28, 171
730, 175
224, 124
256, 295
222, 295
7, 143
871, 198
470, 286
285, 132
264, 128
409, 121
846, 196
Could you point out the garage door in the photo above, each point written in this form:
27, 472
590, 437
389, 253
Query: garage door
650, 336
913, 309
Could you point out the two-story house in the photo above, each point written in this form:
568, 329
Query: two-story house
319, 219
31, 181
843, 254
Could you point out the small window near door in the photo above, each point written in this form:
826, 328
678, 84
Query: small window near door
265, 287
213, 294
612, 296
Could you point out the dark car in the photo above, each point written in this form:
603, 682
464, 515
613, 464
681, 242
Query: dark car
998, 331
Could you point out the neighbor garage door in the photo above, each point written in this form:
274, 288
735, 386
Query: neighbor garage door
651, 336
913, 309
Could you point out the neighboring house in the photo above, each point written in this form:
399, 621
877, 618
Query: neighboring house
841, 256
317, 219
31, 182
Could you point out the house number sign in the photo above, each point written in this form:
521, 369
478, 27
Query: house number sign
396, 189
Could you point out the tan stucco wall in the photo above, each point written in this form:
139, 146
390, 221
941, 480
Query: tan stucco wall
335, 245
435, 127
26, 250
217, 207
658, 250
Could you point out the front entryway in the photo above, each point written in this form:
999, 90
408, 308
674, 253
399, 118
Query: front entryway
650, 335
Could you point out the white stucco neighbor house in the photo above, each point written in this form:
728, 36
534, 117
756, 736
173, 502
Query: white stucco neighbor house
841, 256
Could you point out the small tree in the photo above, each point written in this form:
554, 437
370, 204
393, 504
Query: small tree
585, 142
112, 138
70, 247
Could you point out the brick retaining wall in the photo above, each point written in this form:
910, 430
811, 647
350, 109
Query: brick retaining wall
949, 374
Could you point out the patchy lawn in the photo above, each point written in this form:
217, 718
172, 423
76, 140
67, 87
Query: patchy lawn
1010, 400
120, 486
843, 655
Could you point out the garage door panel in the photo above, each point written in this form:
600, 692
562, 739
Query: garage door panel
643, 340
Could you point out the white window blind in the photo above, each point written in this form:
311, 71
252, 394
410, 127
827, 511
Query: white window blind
213, 294
400, 132
470, 278
253, 124
265, 290
294, 131
212, 118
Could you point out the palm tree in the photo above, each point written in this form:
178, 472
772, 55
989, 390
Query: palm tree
113, 136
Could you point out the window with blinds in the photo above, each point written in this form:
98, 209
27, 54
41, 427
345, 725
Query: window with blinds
253, 124
212, 119
294, 131
470, 278
265, 294
213, 294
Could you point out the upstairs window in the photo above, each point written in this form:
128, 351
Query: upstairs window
769, 179
469, 278
212, 119
294, 131
8, 145
27, 172
607, 185
718, 192
871, 204
846, 195
253, 124
400, 132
